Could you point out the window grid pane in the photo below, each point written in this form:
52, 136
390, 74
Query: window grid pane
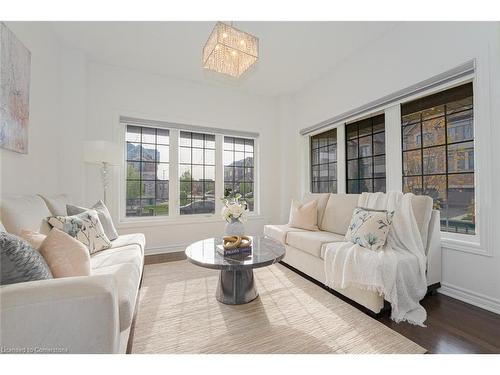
196, 173
324, 162
441, 161
239, 168
365, 154
147, 171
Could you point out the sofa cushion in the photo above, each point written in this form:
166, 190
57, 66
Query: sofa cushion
321, 200
130, 239
279, 232
127, 278
124, 260
56, 203
338, 212
422, 209
131, 254
312, 242
25, 212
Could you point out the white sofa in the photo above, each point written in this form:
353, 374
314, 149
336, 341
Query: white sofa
91, 314
305, 250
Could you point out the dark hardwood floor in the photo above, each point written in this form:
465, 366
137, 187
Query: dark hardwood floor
453, 326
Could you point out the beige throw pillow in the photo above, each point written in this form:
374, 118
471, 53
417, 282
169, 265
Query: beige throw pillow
304, 216
65, 256
35, 239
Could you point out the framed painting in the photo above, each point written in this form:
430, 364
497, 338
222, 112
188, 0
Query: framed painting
15, 68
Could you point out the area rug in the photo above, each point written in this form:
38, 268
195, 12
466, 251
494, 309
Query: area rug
178, 313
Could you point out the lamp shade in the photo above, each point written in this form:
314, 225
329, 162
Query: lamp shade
98, 152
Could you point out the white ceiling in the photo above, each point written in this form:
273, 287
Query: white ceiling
292, 54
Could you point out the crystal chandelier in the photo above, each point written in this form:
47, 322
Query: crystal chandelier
229, 50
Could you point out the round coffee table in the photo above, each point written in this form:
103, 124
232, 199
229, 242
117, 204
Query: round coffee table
236, 282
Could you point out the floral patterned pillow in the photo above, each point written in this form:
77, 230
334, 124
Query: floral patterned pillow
85, 227
369, 228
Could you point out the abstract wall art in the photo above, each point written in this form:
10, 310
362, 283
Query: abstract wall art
15, 67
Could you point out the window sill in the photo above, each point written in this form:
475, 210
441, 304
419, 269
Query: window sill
179, 220
461, 243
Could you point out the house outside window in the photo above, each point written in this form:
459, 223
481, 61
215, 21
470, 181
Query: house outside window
324, 162
442, 166
200, 172
365, 155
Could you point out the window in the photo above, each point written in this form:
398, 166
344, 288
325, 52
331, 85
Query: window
207, 166
438, 154
196, 173
147, 173
324, 162
239, 168
365, 155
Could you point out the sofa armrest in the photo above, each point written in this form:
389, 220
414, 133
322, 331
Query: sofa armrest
67, 315
434, 253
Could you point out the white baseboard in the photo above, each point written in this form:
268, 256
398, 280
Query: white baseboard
470, 297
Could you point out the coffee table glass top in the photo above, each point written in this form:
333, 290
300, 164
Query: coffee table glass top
265, 251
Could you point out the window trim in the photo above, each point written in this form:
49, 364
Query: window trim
174, 183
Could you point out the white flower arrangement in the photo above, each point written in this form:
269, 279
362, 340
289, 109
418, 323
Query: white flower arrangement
234, 209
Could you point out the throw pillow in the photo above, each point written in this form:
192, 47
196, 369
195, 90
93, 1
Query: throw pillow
369, 228
304, 216
35, 239
85, 227
56, 203
2, 228
65, 256
104, 217
20, 262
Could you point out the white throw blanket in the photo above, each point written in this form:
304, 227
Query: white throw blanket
397, 272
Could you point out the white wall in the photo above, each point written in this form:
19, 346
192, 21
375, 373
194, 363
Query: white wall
407, 55
112, 91
36, 172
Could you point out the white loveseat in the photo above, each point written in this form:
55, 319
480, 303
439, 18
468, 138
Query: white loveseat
91, 314
305, 250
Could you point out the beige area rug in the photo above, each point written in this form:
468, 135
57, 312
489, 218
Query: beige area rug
178, 313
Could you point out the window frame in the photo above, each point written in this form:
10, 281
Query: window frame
370, 157
481, 243
446, 144
142, 162
174, 216
328, 163
245, 167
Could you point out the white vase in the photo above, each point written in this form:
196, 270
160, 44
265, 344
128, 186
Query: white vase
234, 228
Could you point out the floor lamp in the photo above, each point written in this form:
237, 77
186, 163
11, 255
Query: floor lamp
104, 153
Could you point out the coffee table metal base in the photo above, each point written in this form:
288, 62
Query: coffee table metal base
236, 287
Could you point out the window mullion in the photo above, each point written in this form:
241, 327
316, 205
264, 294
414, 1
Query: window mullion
394, 157
341, 159
173, 191
219, 172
